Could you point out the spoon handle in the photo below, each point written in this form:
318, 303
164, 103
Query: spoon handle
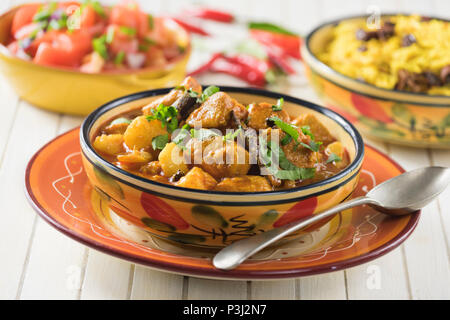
233, 255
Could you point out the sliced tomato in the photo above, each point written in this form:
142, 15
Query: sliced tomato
300, 210
24, 16
143, 24
124, 45
64, 49
290, 44
159, 210
125, 15
88, 17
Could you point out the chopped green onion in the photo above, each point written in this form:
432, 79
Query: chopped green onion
110, 35
99, 45
279, 105
128, 31
119, 58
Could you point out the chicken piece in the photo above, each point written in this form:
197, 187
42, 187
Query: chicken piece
196, 178
259, 113
319, 131
219, 158
111, 144
216, 112
244, 184
152, 168
140, 132
175, 94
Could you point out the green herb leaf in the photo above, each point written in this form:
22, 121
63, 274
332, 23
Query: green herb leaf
151, 22
334, 158
279, 105
286, 139
99, 45
232, 135
167, 115
159, 142
180, 138
270, 27
120, 120
128, 31
208, 92
203, 134
119, 58
313, 145
290, 129
307, 131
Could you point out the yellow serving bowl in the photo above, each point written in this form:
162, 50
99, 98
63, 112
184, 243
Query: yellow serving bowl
412, 119
212, 218
70, 91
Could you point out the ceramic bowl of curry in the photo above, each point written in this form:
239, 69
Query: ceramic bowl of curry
214, 205
416, 110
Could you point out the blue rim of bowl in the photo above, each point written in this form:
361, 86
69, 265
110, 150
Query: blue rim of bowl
341, 121
331, 70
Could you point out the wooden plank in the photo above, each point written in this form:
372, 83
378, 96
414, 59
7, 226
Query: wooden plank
273, 290
216, 289
150, 284
106, 278
56, 264
426, 250
31, 129
8, 109
329, 286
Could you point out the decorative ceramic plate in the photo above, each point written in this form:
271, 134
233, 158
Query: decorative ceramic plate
58, 189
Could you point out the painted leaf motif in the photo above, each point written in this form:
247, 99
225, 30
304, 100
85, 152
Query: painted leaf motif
267, 218
446, 121
186, 238
157, 225
300, 210
105, 178
401, 112
159, 210
209, 216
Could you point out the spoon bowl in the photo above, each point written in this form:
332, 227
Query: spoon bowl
398, 196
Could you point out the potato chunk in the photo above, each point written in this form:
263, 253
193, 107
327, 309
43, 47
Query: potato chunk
216, 112
319, 131
141, 132
135, 157
196, 178
244, 184
171, 160
111, 144
259, 113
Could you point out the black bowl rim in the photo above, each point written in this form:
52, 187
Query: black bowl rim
345, 124
331, 70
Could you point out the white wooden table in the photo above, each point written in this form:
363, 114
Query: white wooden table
38, 262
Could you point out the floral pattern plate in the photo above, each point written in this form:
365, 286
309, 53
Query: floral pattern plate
59, 191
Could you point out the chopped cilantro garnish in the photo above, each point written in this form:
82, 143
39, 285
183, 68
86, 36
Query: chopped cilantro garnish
232, 135
203, 134
208, 92
286, 127
159, 142
167, 115
307, 131
180, 138
279, 105
334, 158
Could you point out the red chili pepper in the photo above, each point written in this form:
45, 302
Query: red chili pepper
206, 66
210, 14
190, 28
290, 44
250, 75
279, 58
251, 61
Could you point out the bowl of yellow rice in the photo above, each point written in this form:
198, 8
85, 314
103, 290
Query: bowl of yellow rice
390, 75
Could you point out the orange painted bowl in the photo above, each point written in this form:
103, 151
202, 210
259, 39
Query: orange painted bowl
406, 118
70, 91
213, 218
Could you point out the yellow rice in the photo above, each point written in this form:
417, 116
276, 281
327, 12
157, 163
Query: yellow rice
380, 63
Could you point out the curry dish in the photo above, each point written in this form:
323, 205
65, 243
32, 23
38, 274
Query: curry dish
205, 139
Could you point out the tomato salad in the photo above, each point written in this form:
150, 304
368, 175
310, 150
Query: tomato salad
91, 37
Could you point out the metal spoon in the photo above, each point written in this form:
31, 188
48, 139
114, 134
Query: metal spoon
398, 196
